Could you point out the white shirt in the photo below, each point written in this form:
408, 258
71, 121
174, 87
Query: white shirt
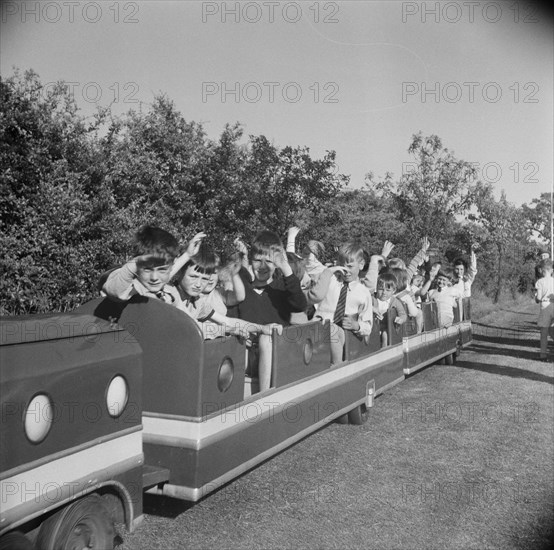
358, 303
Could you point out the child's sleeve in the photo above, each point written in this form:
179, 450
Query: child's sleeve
295, 296
472, 269
120, 282
401, 315
370, 279
417, 260
410, 305
365, 316
316, 294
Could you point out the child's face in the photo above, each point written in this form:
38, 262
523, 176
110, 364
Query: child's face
211, 283
385, 291
194, 281
442, 282
459, 271
353, 267
153, 277
263, 267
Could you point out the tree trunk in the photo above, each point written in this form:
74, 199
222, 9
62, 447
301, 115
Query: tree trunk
499, 276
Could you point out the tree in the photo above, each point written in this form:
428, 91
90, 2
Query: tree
507, 236
538, 217
436, 189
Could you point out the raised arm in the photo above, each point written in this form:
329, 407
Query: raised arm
419, 258
240, 247
295, 295
119, 284
370, 279
432, 274
472, 269
192, 249
291, 239
234, 291
316, 294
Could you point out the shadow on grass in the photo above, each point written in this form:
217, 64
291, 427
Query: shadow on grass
518, 353
495, 329
521, 342
531, 313
512, 372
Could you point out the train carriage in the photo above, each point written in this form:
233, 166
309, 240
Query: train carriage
71, 435
199, 421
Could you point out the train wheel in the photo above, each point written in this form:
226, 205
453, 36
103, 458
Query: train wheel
359, 415
84, 524
15, 541
342, 419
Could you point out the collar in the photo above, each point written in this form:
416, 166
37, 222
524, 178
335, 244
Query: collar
188, 300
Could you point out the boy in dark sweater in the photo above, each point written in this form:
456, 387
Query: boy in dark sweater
271, 295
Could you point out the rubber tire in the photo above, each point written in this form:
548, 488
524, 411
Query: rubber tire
15, 541
87, 520
359, 415
342, 419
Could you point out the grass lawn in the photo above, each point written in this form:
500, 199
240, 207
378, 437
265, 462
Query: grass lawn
454, 457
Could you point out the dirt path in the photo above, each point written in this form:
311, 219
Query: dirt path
454, 457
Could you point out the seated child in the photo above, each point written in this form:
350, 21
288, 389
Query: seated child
370, 279
149, 272
346, 301
445, 296
311, 254
415, 287
384, 301
464, 275
297, 266
268, 298
192, 281
404, 294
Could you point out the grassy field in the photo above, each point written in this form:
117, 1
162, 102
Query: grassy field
454, 457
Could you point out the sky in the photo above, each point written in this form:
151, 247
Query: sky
357, 77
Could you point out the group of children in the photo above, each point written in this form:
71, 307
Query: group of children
269, 286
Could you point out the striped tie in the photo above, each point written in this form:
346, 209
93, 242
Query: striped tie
341, 305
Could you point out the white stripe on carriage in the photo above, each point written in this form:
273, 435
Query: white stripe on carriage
61, 472
180, 431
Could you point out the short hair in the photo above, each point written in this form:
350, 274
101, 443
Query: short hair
264, 243
396, 263
544, 264
351, 251
402, 278
316, 247
460, 261
417, 279
206, 261
156, 242
388, 279
446, 272
296, 264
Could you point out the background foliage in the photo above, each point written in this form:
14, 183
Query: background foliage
74, 190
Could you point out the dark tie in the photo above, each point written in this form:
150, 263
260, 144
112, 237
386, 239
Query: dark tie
165, 296
341, 305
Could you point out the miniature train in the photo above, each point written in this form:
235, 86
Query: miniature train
114, 399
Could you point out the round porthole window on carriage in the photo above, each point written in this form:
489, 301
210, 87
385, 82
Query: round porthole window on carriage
117, 396
308, 351
225, 374
38, 418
